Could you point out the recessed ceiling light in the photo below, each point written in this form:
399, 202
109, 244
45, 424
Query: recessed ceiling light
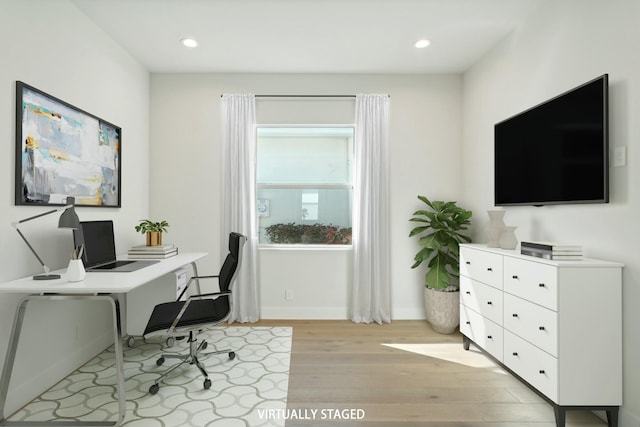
422, 43
188, 42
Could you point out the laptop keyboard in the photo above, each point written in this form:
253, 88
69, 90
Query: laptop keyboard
112, 265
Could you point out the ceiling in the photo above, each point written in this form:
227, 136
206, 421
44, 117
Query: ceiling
308, 36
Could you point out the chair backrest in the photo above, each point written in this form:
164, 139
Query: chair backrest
231, 263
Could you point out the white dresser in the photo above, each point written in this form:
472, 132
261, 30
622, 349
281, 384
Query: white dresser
555, 324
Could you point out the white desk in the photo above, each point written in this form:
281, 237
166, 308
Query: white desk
103, 286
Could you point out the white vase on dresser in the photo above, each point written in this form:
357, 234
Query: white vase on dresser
557, 325
495, 227
508, 239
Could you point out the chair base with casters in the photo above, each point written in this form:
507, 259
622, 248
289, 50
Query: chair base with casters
195, 350
187, 318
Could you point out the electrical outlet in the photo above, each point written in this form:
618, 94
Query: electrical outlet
619, 156
288, 294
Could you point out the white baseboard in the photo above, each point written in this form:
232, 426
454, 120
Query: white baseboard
306, 313
408, 314
330, 313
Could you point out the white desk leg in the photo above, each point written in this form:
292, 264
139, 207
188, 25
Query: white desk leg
11, 356
13, 346
117, 350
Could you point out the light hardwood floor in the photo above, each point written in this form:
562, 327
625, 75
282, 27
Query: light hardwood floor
430, 381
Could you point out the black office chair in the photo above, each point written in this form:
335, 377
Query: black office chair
188, 318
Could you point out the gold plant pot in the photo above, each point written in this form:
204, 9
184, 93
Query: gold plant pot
154, 238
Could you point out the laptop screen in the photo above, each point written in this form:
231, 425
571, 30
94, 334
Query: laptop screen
97, 239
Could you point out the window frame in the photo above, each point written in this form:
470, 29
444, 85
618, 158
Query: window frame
307, 186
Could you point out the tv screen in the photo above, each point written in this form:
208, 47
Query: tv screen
557, 151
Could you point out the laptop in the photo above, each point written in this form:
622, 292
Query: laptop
100, 249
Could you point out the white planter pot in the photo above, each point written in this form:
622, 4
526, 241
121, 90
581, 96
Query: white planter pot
443, 310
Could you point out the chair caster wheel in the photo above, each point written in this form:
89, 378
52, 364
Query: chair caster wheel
232, 355
154, 389
170, 342
207, 384
160, 361
205, 345
131, 342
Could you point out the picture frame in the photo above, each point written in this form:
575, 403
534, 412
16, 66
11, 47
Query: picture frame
61, 151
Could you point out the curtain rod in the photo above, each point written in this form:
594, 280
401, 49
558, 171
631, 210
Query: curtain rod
304, 96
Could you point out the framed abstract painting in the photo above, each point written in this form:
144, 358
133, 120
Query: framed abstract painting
63, 151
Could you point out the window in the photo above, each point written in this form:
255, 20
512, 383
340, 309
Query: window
304, 184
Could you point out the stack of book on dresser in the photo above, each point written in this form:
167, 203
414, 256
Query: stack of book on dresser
552, 250
152, 252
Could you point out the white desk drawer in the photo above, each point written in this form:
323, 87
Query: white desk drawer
481, 298
483, 266
482, 331
534, 323
534, 365
532, 281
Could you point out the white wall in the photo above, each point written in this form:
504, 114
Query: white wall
565, 44
54, 47
424, 159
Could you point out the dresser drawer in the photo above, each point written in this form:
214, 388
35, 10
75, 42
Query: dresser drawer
485, 333
532, 364
483, 266
534, 323
481, 298
532, 281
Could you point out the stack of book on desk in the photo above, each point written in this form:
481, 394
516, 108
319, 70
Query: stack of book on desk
552, 250
152, 252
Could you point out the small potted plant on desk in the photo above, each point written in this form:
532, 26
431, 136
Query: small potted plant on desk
439, 236
153, 230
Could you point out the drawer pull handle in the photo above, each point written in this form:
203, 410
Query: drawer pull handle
515, 353
514, 315
541, 285
489, 303
489, 269
468, 323
514, 277
468, 262
489, 337
541, 328
541, 371
468, 292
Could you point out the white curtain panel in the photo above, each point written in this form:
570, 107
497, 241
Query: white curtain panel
238, 199
371, 300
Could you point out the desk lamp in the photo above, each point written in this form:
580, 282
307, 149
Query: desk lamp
68, 219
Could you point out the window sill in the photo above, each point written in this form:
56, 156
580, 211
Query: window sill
294, 247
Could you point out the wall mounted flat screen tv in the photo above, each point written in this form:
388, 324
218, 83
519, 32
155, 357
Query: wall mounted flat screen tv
556, 152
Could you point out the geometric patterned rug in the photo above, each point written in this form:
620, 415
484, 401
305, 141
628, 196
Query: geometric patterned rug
243, 393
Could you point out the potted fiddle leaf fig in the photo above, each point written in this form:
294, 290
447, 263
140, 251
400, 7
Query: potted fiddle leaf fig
441, 229
153, 230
